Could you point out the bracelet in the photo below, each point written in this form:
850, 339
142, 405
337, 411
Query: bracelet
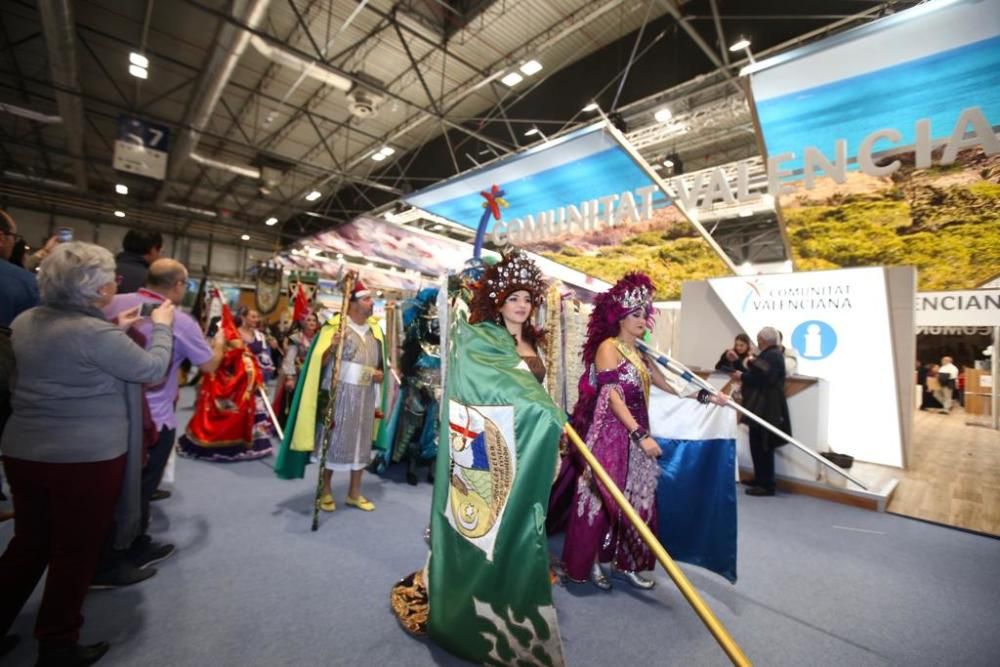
638, 435
703, 396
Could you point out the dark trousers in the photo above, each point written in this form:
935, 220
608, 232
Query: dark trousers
152, 473
64, 512
763, 458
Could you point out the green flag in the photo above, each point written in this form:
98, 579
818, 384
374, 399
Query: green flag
490, 595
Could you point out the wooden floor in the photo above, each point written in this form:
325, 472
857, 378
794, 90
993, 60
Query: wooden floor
953, 474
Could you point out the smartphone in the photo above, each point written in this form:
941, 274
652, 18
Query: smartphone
64, 235
146, 309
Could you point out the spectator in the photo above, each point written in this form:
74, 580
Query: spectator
140, 249
167, 281
18, 288
764, 395
72, 428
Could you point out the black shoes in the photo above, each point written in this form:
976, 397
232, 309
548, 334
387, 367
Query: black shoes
70, 655
122, 575
160, 494
759, 491
144, 552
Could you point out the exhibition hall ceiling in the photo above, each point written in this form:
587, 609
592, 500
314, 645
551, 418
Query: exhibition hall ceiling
276, 119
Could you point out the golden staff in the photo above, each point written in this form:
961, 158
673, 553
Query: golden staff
349, 279
707, 617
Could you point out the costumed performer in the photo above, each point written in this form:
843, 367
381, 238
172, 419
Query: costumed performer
230, 421
613, 413
489, 552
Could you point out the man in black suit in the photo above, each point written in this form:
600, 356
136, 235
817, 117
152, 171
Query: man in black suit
763, 385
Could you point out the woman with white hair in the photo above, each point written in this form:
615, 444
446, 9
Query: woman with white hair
65, 443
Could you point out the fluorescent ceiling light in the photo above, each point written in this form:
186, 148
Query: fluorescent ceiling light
138, 72
593, 106
387, 151
378, 157
663, 115
531, 67
532, 131
245, 237
271, 222
746, 213
512, 79
740, 45
314, 195
119, 213
138, 60
121, 189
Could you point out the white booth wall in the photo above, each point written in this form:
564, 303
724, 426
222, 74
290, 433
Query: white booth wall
868, 375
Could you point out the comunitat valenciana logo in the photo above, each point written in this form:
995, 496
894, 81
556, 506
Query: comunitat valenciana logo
787, 299
814, 339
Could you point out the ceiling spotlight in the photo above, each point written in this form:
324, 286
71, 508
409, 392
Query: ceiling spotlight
387, 151
138, 72
739, 45
668, 163
593, 106
378, 157
138, 60
271, 222
314, 195
512, 79
531, 132
119, 213
663, 115
531, 67
245, 237
121, 189
435, 228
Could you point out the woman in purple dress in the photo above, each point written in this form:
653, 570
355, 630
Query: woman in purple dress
612, 413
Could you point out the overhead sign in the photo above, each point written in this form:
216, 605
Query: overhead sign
838, 324
963, 308
141, 148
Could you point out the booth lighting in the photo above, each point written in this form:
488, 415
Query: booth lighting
593, 106
531, 67
668, 163
663, 115
271, 222
119, 213
743, 43
245, 237
138, 72
138, 60
512, 79
314, 195
121, 189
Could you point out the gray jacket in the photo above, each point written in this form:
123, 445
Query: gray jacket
70, 388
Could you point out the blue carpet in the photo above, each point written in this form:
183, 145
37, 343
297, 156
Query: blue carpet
820, 584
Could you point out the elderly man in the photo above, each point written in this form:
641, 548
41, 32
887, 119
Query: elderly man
166, 281
764, 394
948, 377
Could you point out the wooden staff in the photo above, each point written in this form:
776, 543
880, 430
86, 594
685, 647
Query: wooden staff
713, 624
348, 287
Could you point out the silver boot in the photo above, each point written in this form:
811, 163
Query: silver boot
598, 578
633, 578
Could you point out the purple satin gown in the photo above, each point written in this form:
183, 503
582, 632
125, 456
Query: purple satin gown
598, 529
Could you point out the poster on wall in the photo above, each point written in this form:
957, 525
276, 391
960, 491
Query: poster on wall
882, 147
585, 201
838, 324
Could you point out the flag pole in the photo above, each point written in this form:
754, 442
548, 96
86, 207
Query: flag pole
270, 412
685, 373
713, 624
348, 287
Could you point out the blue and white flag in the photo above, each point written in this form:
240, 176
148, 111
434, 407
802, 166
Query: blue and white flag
696, 493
